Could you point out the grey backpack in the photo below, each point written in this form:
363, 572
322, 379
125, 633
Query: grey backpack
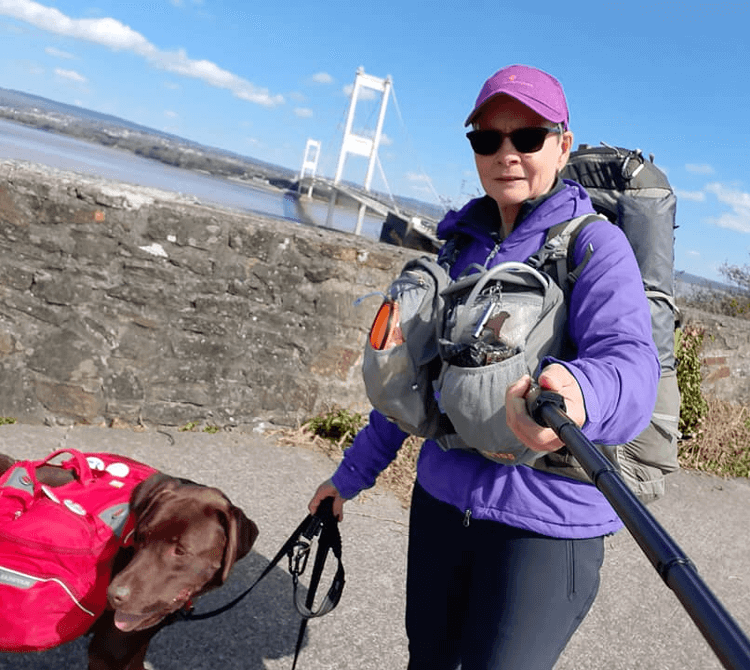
635, 195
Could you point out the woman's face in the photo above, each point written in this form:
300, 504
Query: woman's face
508, 176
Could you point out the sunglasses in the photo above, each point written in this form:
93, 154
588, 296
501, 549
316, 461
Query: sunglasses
525, 140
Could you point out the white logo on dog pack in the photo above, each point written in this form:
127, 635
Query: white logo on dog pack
118, 470
48, 492
95, 463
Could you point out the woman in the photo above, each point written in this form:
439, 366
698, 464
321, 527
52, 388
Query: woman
504, 562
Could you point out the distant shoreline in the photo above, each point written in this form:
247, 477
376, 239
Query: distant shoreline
154, 147
48, 115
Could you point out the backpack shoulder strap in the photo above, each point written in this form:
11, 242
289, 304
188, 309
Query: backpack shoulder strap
556, 255
451, 249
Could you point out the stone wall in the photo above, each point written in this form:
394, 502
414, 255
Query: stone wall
136, 306
725, 355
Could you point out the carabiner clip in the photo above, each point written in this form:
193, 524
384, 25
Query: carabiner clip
298, 559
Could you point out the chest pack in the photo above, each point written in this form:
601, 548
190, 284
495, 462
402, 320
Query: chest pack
58, 544
441, 353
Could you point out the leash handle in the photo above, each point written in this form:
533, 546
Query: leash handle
286, 549
323, 522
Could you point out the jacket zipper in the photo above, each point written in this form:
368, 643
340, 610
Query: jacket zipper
467, 518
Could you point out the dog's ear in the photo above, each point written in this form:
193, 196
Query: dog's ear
241, 535
147, 492
6, 463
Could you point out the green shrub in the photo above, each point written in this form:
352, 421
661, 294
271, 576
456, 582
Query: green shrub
693, 405
338, 425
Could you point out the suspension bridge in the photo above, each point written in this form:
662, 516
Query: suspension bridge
399, 227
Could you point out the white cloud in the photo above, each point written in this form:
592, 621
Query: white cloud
695, 196
738, 201
114, 35
170, 114
322, 78
71, 75
303, 112
699, 168
57, 53
417, 177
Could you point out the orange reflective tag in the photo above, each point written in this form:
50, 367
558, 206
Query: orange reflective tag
385, 331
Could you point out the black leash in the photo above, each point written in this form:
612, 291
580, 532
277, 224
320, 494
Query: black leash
297, 548
330, 540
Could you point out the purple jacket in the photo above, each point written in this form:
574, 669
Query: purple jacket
616, 367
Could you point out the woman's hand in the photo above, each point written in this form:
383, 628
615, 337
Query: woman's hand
555, 378
328, 490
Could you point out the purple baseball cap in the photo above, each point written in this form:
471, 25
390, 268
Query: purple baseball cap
534, 88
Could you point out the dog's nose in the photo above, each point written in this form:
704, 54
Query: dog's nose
119, 595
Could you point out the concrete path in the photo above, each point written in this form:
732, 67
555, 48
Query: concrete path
636, 622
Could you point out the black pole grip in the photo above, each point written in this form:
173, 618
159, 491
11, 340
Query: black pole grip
721, 631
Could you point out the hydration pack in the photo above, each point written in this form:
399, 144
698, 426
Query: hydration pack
497, 324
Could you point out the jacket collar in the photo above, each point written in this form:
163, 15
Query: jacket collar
481, 216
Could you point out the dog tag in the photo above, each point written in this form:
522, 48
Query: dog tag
118, 470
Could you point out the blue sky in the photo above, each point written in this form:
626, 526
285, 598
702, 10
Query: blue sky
260, 78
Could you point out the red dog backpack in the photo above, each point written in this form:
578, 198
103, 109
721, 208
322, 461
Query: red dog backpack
58, 544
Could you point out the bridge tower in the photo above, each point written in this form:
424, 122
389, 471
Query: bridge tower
309, 162
358, 144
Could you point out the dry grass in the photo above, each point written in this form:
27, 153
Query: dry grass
721, 447
722, 444
398, 477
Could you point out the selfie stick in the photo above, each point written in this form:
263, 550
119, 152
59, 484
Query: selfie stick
721, 631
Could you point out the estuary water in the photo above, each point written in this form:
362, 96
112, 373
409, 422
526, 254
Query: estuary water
20, 142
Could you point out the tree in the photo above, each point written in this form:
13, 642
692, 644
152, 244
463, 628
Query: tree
738, 303
739, 276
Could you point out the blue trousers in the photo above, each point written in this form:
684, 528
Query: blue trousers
486, 596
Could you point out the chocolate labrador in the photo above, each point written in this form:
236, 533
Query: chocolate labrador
187, 537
